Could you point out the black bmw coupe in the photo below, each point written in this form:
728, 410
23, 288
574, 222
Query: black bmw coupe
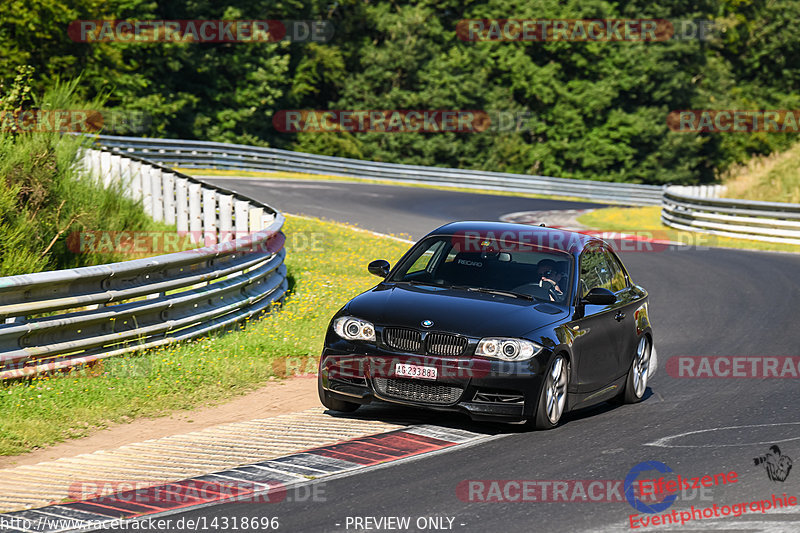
500, 321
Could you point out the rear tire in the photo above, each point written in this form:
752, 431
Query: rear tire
553, 398
636, 383
334, 404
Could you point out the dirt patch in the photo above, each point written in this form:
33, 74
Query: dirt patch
275, 398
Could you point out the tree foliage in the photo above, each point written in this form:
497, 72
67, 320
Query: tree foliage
592, 110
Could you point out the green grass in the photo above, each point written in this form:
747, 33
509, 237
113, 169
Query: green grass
327, 265
647, 222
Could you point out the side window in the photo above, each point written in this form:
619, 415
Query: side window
595, 271
618, 281
424, 260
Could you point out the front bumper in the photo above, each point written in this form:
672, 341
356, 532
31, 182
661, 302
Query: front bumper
483, 389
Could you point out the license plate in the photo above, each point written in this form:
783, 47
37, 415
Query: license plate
414, 371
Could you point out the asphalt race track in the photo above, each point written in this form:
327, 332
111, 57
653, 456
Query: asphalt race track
385, 208
703, 302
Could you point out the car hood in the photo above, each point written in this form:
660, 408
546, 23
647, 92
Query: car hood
457, 311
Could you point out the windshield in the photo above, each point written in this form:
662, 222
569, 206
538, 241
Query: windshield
527, 270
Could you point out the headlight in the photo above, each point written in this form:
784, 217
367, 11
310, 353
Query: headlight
507, 349
354, 329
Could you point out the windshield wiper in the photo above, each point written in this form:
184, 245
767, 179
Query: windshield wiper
494, 291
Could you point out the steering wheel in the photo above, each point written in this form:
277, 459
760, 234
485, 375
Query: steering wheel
538, 290
550, 287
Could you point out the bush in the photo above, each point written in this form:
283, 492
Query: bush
43, 198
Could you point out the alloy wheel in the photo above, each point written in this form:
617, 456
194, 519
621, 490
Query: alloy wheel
641, 366
556, 388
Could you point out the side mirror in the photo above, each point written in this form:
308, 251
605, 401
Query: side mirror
379, 267
599, 296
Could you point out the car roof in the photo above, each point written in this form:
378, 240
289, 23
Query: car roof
558, 239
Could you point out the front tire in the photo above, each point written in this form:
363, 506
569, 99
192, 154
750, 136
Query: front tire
636, 383
553, 398
334, 404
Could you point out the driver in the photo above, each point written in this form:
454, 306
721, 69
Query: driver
548, 271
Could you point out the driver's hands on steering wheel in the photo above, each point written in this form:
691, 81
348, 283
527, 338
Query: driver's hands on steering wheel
556, 294
553, 283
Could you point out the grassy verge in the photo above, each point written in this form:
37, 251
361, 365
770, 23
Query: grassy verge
45, 203
326, 177
327, 266
648, 220
774, 178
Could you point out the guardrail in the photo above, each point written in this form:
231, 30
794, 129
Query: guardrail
58, 319
700, 191
696, 208
204, 154
743, 219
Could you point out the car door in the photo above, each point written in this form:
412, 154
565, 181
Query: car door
596, 346
627, 303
